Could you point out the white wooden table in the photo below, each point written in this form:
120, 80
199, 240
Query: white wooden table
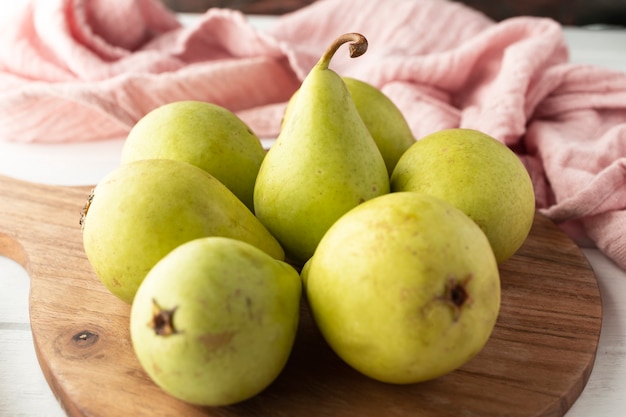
23, 389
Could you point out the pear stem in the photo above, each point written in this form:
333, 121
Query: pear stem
357, 48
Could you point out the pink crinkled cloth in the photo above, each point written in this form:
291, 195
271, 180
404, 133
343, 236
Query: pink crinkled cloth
83, 70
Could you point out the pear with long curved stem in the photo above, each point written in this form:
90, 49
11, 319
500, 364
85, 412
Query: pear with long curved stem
384, 120
323, 163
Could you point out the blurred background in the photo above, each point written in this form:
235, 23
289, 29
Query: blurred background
567, 12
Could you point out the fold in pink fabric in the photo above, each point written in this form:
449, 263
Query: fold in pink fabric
84, 70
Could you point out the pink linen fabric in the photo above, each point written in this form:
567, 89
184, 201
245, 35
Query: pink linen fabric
83, 70
102, 65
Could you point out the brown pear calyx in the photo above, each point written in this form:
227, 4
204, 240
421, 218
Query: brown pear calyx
162, 321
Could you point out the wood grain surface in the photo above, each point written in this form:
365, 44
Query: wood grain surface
535, 364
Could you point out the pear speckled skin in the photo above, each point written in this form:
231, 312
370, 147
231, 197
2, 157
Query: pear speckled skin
404, 288
203, 134
478, 175
214, 321
323, 163
144, 209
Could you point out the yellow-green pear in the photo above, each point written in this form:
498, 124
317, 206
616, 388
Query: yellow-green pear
214, 321
203, 134
142, 210
384, 120
323, 163
404, 288
477, 174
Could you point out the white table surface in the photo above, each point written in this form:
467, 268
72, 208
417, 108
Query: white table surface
23, 389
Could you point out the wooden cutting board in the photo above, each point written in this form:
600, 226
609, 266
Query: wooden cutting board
535, 364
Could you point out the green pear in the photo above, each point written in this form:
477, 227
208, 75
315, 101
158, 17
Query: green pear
478, 175
404, 288
383, 119
144, 209
203, 134
323, 163
214, 321
381, 116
